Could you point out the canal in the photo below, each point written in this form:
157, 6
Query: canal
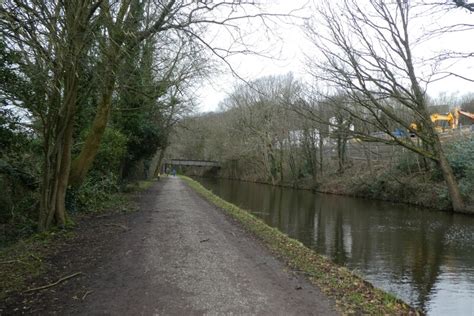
424, 257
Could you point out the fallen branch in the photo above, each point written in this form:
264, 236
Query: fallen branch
10, 261
85, 294
55, 283
35, 257
204, 240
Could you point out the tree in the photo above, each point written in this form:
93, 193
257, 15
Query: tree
61, 43
152, 94
367, 52
464, 4
122, 32
51, 40
261, 120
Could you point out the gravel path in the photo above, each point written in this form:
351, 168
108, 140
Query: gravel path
179, 255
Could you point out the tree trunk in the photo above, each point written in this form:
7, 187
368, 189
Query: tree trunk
159, 163
321, 153
451, 182
344, 150
281, 164
55, 181
82, 164
314, 163
58, 129
368, 155
443, 163
63, 176
340, 154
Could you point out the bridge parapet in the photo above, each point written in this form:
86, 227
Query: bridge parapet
194, 163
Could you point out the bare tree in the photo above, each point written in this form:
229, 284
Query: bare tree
367, 52
464, 4
54, 37
261, 120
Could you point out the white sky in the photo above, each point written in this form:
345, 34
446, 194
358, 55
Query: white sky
287, 44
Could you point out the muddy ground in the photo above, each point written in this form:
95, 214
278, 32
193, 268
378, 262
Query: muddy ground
177, 255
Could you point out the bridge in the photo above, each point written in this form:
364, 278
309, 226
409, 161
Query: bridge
192, 163
191, 167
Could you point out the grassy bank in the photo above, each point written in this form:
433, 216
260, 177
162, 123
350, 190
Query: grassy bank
421, 189
388, 185
351, 293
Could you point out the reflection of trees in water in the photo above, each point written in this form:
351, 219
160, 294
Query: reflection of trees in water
290, 211
428, 257
386, 240
275, 209
339, 251
400, 246
332, 235
305, 214
318, 238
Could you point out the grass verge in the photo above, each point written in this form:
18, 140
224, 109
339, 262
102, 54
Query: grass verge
352, 294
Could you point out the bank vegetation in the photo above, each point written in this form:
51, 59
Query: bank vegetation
89, 92
282, 134
363, 124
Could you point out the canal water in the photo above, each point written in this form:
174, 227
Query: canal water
424, 257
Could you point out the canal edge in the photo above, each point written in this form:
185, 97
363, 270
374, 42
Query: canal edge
351, 292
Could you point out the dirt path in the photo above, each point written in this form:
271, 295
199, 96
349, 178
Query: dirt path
179, 256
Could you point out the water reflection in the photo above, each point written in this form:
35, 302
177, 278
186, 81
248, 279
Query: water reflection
424, 257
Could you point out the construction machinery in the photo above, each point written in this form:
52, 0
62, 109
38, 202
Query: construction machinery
467, 114
451, 119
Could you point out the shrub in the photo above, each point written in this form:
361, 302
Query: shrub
102, 181
460, 155
408, 163
96, 191
111, 152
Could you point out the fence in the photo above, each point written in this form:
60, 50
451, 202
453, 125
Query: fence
357, 150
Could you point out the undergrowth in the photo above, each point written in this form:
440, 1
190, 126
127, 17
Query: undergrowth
25, 260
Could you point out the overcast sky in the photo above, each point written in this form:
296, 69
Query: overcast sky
286, 44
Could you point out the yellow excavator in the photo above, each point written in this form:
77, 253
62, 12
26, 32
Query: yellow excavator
452, 118
436, 117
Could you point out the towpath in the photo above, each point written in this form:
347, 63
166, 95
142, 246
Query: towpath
179, 255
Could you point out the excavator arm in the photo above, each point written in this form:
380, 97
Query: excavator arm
467, 114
